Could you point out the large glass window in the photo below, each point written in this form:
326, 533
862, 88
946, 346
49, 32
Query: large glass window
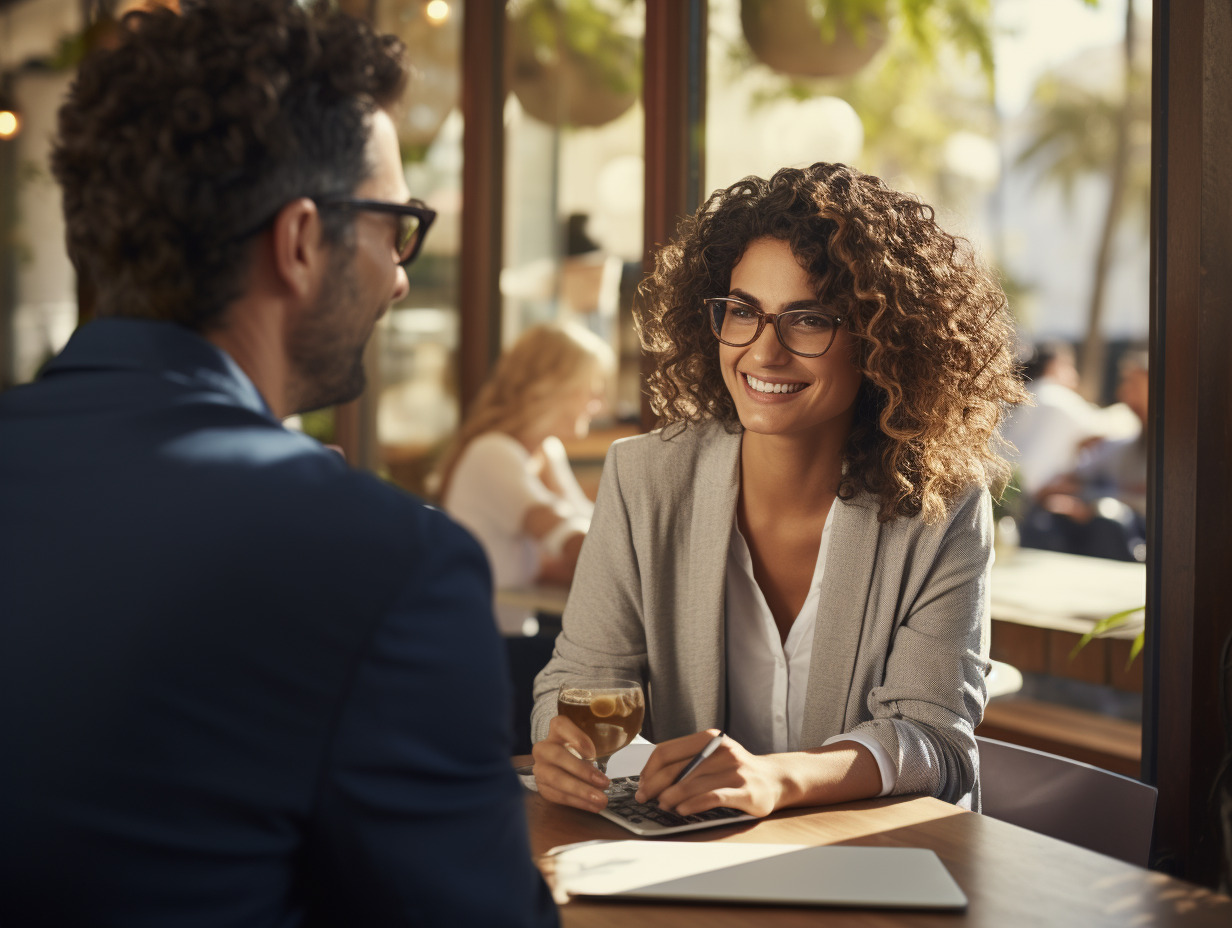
572, 216
574, 128
574, 172
413, 394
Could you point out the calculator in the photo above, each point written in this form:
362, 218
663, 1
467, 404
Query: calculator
647, 819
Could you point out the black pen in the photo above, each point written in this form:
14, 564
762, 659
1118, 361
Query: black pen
700, 756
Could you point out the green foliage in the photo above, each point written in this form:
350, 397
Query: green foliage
1103, 626
928, 25
1009, 501
908, 104
584, 32
319, 424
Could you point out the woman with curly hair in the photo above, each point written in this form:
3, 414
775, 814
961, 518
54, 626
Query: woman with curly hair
800, 556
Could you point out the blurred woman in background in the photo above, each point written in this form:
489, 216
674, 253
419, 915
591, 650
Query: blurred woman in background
506, 476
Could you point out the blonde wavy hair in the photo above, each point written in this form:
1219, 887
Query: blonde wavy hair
525, 385
934, 336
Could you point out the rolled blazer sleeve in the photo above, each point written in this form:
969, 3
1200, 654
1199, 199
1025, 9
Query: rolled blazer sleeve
925, 709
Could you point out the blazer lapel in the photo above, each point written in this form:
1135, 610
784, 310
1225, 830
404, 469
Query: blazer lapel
840, 618
717, 486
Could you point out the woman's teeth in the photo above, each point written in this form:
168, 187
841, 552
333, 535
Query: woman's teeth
762, 387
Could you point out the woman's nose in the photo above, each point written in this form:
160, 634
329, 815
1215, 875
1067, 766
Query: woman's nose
767, 347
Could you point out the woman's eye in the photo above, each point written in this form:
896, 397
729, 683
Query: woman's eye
742, 313
813, 321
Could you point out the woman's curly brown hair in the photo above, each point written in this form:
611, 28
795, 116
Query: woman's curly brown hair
932, 328
178, 145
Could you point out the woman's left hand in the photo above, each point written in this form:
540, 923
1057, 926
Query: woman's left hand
731, 777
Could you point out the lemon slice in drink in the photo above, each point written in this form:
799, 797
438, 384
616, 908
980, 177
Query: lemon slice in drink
603, 706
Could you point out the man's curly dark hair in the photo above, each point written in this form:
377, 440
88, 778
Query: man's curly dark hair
932, 328
175, 147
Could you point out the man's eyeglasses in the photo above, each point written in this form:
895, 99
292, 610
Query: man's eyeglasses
808, 333
414, 220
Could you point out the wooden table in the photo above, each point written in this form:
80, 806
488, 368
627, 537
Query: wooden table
1011, 876
543, 598
1042, 604
1065, 592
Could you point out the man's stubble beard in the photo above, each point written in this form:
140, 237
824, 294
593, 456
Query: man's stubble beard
326, 350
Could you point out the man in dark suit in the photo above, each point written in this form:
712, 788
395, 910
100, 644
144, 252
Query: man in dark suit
240, 682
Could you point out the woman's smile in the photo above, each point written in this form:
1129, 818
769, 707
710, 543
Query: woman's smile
768, 387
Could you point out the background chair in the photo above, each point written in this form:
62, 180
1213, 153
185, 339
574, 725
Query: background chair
1067, 799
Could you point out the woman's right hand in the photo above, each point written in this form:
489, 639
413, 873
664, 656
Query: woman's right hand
563, 775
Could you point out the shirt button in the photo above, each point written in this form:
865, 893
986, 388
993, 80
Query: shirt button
778, 718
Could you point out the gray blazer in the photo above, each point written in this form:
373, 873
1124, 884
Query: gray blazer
901, 646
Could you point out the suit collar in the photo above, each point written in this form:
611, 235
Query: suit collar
163, 348
716, 485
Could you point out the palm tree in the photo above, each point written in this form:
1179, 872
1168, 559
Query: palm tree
1080, 131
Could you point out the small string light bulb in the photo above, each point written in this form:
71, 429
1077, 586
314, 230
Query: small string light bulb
10, 124
437, 11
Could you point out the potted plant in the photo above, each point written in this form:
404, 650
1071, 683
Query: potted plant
830, 38
569, 63
812, 39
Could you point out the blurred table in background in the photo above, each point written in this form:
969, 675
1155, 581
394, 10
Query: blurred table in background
541, 600
1042, 604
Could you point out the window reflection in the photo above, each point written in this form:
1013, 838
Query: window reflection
414, 352
574, 174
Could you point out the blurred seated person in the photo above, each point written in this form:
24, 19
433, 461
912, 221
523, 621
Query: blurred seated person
1099, 508
506, 476
1050, 434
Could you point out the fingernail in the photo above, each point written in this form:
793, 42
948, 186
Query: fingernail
597, 799
600, 780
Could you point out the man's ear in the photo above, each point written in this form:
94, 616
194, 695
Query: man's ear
300, 253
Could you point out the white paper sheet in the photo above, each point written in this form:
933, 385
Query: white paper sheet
629, 760
609, 867
765, 874
626, 762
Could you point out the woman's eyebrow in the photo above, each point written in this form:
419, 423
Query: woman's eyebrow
795, 304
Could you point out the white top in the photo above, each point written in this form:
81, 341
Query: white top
1047, 435
767, 681
490, 491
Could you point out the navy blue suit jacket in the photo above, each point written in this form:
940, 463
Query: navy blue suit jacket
241, 684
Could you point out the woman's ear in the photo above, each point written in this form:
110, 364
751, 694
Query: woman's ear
299, 250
